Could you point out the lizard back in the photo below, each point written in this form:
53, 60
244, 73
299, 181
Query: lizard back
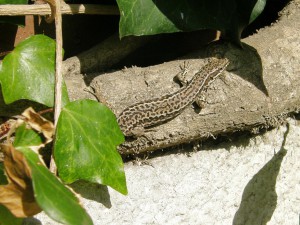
158, 110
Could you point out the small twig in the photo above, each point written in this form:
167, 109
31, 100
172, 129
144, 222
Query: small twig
55, 4
45, 111
51, 18
59, 58
70, 9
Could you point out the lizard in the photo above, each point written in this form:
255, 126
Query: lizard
134, 119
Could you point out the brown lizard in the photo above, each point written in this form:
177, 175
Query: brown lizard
134, 119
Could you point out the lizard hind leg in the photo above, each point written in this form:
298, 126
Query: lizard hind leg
138, 131
200, 101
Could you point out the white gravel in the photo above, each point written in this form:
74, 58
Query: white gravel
249, 181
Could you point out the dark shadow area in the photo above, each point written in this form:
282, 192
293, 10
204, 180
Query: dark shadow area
80, 32
267, 17
7, 38
31, 221
142, 51
297, 116
259, 199
226, 140
92, 191
230, 17
239, 138
17, 107
253, 75
245, 62
166, 47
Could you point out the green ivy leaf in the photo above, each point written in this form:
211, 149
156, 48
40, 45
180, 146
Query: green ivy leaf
257, 10
85, 147
28, 72
53, 197
146, 17
25, 138
20, 20
13, 2
7, 218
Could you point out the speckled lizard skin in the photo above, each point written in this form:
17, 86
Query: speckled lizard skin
135, 118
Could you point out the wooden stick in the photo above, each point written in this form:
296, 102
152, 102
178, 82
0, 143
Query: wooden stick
59, 59
58, 70
69, 9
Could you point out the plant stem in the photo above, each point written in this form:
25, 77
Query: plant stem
58, 72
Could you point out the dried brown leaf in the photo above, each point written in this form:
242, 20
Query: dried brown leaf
17, 195
6, 127
39, 123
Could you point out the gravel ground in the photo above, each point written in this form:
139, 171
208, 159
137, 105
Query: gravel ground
251, 180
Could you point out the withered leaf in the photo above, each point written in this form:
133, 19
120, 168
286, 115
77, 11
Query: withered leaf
17, 195
39, 123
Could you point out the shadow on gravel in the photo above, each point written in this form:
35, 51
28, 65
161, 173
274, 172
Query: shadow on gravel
259, 199
92, 191
31, 221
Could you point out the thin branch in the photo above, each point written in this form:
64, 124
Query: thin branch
58, 69
59, 59
70, 9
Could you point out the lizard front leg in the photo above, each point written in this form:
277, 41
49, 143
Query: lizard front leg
181, 77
